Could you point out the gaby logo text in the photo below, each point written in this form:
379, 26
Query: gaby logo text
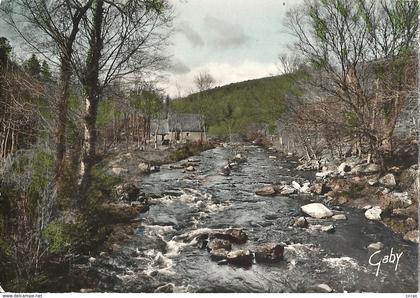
376, 260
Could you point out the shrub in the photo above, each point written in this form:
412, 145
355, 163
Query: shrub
188, 150
59, 241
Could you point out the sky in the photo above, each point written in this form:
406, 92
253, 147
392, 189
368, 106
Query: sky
233, 40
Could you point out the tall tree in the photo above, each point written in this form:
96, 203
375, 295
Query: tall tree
120, 38
5, 50
45, 71
33, 66
204, 81
51, 28
148, 103
355, 47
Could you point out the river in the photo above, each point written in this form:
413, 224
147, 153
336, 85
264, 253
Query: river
164, 254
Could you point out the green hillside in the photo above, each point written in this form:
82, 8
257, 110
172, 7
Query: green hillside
238, 107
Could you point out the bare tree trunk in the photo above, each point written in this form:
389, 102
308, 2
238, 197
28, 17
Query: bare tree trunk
91, 86
65, 76
156, 135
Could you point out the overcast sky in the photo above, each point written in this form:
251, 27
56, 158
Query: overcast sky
233, 40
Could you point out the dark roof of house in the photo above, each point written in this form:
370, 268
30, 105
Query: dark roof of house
161, 125
179, 122
186, 122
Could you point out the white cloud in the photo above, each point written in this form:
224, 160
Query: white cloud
224, 73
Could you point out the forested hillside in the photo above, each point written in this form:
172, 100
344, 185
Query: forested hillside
241, 107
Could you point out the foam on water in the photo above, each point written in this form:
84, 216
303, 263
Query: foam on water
343, 264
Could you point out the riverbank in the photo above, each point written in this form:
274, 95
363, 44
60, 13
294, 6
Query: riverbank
389, 197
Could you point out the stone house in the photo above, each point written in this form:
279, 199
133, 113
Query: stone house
179, 128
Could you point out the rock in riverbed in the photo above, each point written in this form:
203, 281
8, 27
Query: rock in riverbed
287, 190
317, 210
328, 229
388, 181
269, 253
217, 244
324, 288
218, 254
373, 213
412, 236
301, 222
376, 246
233, 235
320, 188
225, 171
266, 191
239, 158
339, 217
190, 169
243, 258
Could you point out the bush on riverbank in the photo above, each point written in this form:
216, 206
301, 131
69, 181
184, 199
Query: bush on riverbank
189, 149
39, 227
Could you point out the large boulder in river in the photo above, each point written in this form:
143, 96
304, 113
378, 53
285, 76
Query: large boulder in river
266, 191
317, 210
374, 213
216, 244
233, 235
269, 253
243, 258
388, 180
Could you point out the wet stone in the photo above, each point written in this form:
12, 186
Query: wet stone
324, 288
339, 217
240, 258
301, 222
168, 288
266, 191
219, 244
218, 254
376, 246
317, 210
269, 253
233, 235
328, 229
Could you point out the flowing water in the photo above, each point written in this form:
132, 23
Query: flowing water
164, 252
